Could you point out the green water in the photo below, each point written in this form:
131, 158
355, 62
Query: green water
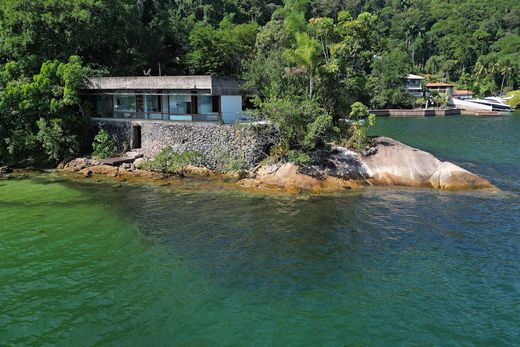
92, 263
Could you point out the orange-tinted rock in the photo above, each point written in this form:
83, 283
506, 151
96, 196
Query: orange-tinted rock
285, 177
452, 177
100, 170
393, 164
77, 164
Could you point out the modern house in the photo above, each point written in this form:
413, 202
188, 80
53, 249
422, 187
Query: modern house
463, 94
413, 85
166, 98
441, 88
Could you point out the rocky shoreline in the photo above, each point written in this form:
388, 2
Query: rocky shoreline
390, 163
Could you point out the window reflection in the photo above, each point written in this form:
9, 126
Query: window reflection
204, 104
124, 103
180, 104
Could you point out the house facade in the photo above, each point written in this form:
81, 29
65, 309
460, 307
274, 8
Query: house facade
441, 88
413, 85
166, 98
463, 94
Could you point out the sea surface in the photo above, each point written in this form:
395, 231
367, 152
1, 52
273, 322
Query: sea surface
87, 263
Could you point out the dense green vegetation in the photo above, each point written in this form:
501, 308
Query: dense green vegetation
307, 60
170, 162
514, 100
104, 145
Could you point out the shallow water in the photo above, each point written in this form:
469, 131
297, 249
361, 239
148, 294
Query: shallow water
93, 263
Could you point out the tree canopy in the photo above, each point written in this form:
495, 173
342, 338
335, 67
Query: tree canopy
327, 53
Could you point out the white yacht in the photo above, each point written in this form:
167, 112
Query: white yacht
486, 104
496, 104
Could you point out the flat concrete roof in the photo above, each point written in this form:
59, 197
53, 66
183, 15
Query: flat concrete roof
414, 77
216, 85
438, 84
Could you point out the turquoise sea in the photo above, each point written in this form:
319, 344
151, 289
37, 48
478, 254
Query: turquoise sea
86, 263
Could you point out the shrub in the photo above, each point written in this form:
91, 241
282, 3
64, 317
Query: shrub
104, 145
231, 162
361, 121
170, 162
303, 126
514, 102
298, 157
56, 143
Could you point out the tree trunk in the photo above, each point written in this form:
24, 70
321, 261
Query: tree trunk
311, 84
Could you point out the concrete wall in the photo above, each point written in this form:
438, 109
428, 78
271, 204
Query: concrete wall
218, 144
213, 85
152, 82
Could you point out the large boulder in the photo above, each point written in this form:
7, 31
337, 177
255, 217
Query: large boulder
290, 178
449, 176
391, 164
395, 163
285, 177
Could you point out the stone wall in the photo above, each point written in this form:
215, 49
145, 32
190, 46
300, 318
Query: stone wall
218, 144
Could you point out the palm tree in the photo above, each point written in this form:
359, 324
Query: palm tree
504, 71
304, 56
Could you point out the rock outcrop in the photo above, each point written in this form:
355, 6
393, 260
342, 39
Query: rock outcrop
77, 164
5, 171
392, 164
397, 164
451, 177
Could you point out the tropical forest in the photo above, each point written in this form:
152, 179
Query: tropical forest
304, 63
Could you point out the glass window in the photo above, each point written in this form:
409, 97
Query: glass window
103, 105
180, 104
204, 104
152, 103
124, 103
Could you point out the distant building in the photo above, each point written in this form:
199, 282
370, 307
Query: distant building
167, 98
463, 94
441, 88
413, 85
